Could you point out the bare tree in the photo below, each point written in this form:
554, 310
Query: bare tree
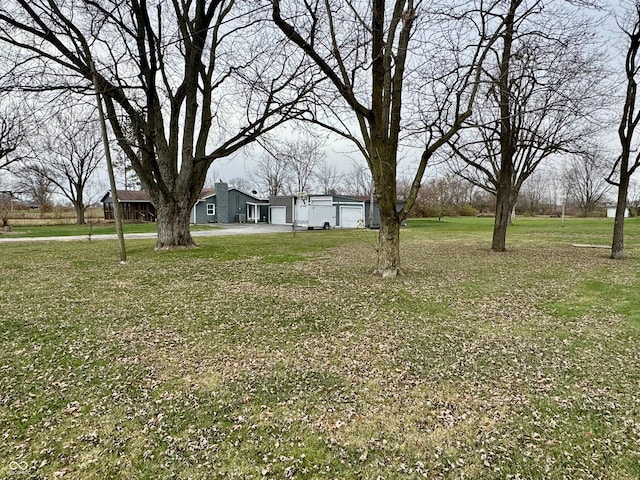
629, 159
67, 155
271, 175
184, 83
403, 186
541, 92
438, 193
483, 201
6, 207
358, 181
443, 195
36, 185
369, 52
243, 184
554, 186
585, 180
329, 179
532, 193
300, 157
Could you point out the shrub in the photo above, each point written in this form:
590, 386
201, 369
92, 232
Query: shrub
436, 211
468, 211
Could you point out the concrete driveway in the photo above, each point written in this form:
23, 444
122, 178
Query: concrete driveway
218, 230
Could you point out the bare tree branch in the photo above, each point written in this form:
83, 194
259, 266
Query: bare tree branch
184, 83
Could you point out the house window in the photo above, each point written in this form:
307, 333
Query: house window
211, 208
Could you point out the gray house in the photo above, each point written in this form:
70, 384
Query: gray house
214, 205
228, 205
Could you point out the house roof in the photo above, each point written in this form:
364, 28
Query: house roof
206, 193
141, 196
211, 192
357, 198
129, 196
258, 199
133, 196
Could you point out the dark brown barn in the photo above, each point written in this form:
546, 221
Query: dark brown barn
135, 205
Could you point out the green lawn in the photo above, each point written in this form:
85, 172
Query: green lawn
96, 229
280, 356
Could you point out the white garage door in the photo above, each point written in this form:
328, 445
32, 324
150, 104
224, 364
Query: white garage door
278, 215
351, 217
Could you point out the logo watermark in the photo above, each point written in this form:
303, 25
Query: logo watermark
15, 466
18, 469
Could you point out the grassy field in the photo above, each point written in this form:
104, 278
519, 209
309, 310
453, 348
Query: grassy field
56, 216
274, 356
85, 230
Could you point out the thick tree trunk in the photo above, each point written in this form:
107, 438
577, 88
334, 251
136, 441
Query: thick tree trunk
502, 220
389, 247
173, 225
617, 245
389, 235
80, 220
385, 187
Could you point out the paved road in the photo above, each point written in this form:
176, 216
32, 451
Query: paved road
230, 229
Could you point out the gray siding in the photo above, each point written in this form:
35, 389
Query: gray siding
201, 211
222, 203
238, 204
376, 213
283, 201
229, 204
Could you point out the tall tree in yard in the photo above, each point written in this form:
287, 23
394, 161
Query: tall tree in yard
629, 159
67, 153
184, 83
539, 97
378, 57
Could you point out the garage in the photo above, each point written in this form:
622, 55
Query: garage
351, 216
278, 215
